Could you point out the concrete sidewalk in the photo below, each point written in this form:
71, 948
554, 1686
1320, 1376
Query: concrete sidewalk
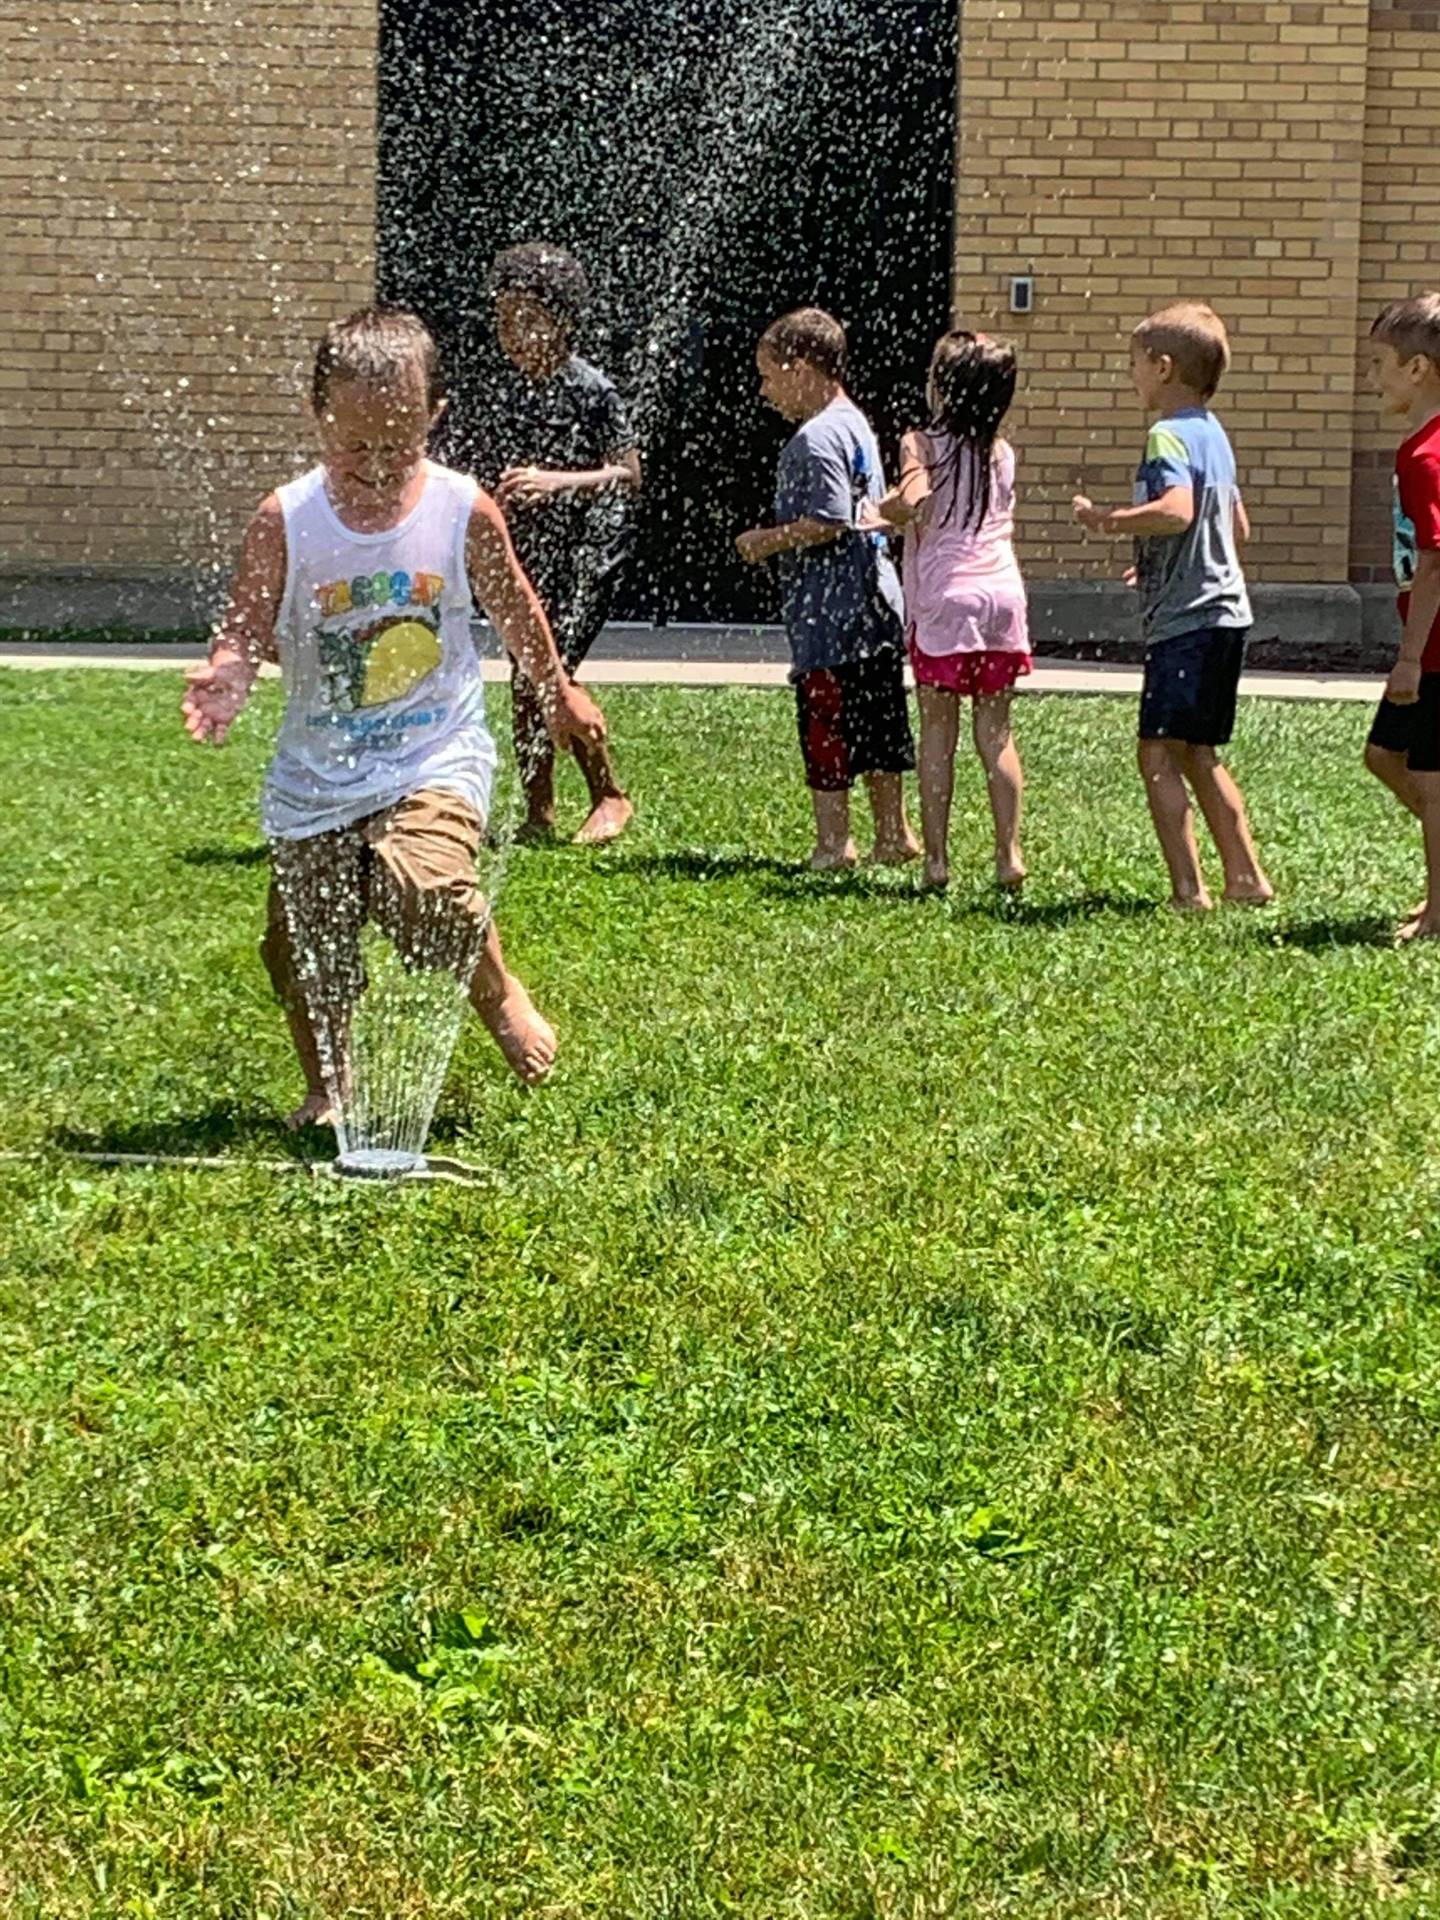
610, 666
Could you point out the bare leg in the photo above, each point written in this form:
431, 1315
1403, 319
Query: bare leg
1425, 925
1224, 810
316, 898
610, 809
1169, 798
894, 842
522, 1035
995, 745
534, 759
939, 732
1392, 770
834, 849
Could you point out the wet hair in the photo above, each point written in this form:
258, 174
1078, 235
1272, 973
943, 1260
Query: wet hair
553, 278
1411, 327
379, 344
810, 335
1194, 337
973, 382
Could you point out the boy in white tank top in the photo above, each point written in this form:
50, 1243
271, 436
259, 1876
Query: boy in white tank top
361, 578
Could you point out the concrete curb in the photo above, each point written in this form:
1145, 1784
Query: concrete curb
1050, 676
1298, 628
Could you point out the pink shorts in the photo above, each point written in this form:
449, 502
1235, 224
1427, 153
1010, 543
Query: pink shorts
974, 676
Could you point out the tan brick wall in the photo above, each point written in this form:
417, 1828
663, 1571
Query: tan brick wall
1133, 150
187, 191
1399, 244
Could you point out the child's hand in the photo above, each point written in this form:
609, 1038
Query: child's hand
215, 692
528, 486
1091, 517
754, 547
870, 519
573, 715
1402, 689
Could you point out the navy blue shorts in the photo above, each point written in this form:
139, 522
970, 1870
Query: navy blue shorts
1190, 686
1413, 730
854, 720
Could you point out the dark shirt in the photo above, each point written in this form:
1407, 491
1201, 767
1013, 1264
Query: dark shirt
571, 423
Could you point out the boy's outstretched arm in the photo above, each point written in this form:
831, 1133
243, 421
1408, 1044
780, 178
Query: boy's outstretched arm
524, 486
217, 691
508, 601
763, 543
1172, 513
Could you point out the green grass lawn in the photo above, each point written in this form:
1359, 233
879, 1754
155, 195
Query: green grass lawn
933, 1412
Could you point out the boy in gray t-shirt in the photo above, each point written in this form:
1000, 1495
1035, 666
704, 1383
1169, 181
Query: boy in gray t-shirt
843, 609
1187, 521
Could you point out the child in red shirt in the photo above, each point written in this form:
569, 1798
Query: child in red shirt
1403, 750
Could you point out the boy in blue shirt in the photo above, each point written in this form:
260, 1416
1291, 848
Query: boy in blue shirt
843, 609
1187, 521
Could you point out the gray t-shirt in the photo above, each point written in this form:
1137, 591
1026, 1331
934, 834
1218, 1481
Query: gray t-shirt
842, 600
1193, 580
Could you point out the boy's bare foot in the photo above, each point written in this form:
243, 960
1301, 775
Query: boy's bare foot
1010, 875
894, 853
1191, 903
535, 833
936, 877
524, 1036
834, 859
315, 1110
607, 821
1424, 926
1262, 894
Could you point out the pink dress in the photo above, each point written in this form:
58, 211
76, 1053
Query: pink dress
964, 595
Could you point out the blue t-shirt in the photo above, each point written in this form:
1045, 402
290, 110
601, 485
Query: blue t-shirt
842, 600
1194, 579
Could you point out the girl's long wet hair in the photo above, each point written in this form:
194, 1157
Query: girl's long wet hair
972, 382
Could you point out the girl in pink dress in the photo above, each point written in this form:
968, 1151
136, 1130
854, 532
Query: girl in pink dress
964, 597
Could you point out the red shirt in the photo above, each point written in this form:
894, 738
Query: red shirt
1417, 520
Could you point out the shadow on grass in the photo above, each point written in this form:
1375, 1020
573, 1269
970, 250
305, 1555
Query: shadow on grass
697, 863
248, 1133
224, 856
1319, 936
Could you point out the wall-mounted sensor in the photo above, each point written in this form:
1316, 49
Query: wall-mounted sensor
1022, 293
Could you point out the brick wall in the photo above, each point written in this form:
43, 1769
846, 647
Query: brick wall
1133, 150
187, 190
1398, 241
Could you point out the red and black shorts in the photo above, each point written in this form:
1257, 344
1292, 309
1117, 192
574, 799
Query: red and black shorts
854, 720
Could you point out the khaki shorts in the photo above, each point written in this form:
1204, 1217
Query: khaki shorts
411, 870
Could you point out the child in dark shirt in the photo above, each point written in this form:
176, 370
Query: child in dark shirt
554, 443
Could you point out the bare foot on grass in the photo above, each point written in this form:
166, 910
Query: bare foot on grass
535, 833
834, 859
606, 822
1010, 875
524, 1036
1191, 903
1423, 927
936, 877
315, 1110
1261, 894
894, 853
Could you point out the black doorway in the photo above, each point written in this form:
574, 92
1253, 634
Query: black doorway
712, 162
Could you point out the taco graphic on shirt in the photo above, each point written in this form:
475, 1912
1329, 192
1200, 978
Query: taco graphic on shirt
373, 665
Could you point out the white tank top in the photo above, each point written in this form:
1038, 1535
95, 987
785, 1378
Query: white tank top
383, 693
